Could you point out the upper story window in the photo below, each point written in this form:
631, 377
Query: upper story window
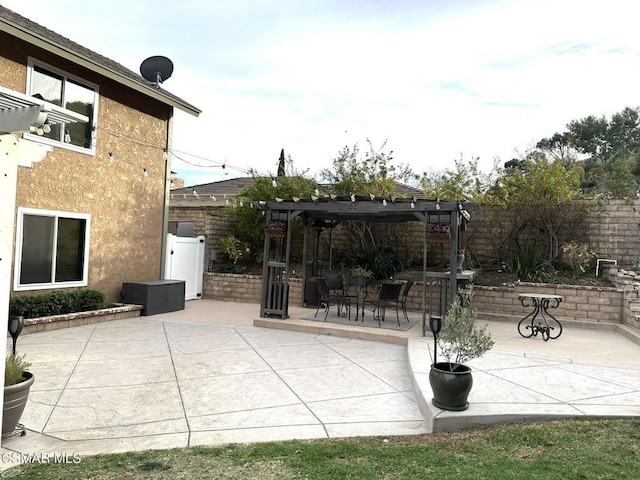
52, 249
68, 92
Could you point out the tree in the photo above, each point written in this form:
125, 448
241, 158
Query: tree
281, 164
248, 224
544, 204
372, 174
560, 146
609, 151
464, 181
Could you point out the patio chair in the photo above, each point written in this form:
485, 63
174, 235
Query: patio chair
405, 294
328, 298
388, 296
336, 283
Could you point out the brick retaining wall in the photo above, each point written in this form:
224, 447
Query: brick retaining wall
580, 303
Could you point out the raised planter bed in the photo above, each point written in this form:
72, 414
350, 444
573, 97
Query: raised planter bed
54, 322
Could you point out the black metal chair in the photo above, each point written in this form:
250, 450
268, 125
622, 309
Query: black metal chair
388, 296
405, 293
328, 297
336, 283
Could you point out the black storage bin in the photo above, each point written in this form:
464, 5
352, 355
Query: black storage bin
158, 296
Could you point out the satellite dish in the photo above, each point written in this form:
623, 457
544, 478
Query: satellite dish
156, 69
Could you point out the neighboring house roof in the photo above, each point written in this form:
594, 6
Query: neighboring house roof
236, 185
232, 186
35, 34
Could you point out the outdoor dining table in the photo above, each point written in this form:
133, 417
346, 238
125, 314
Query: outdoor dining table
547, 325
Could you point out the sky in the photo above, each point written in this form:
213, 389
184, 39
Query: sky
431, 81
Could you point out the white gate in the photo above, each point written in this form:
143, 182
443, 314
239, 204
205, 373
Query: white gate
185, 261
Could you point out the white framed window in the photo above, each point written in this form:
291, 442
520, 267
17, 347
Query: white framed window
52, 249
67, 91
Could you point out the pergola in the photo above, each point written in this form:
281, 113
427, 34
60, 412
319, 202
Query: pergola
321, 213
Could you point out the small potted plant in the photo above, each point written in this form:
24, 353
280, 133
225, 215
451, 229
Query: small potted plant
361, 275
17, 382
461, 340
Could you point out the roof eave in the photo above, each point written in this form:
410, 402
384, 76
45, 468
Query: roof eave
63, 52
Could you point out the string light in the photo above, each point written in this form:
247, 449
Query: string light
353, 197
384, 202
175, 153
372, 197
112, 159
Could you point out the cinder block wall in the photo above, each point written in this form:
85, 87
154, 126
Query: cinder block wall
582, 304
210, 221
243, 288
579, 303
613, 231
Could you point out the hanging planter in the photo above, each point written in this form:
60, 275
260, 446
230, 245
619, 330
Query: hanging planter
277, 229
438, 234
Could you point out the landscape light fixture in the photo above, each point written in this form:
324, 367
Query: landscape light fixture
16, 324
435, 324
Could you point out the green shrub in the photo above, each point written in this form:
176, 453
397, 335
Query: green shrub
58, 302
382, 261
528, 263
577, 257
14, 369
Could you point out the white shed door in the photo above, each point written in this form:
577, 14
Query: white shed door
185, 261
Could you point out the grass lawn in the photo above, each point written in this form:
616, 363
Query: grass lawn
562, 450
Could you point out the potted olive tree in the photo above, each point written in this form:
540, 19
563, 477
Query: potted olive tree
17, 382
461, 340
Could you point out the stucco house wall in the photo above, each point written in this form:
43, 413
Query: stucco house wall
127, 207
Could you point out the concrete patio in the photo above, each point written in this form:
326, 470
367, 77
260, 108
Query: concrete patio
215, 373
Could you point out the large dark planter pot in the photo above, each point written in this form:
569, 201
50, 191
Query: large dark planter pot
450, 388
15, 399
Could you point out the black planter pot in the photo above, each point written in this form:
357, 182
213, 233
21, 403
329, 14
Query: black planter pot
450, 388
15, 399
